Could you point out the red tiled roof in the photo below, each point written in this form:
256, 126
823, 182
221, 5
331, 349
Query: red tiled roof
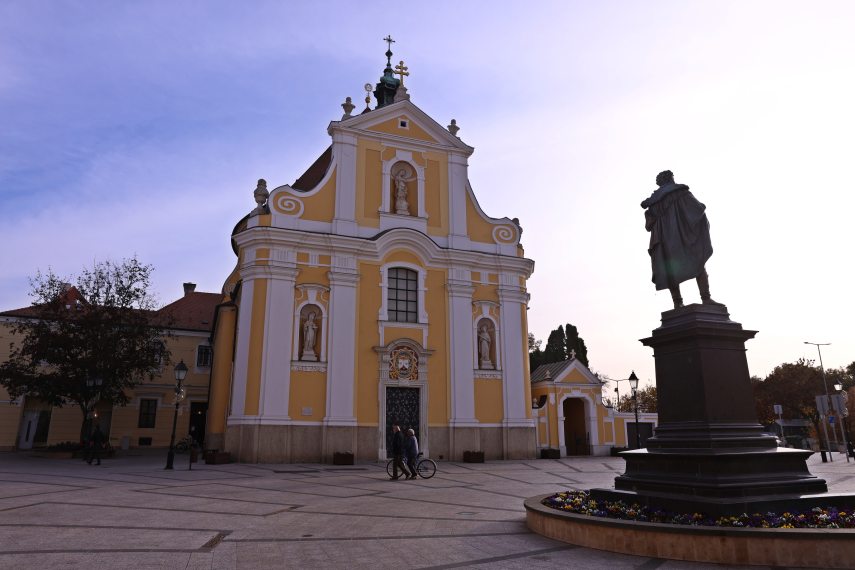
71, 296
194, 311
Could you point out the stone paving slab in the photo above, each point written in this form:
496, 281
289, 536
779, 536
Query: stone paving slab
130, 513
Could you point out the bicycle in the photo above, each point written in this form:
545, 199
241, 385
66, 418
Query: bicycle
425, 468
185, 444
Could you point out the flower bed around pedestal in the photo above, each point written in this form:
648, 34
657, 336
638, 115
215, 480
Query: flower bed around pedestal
580, 502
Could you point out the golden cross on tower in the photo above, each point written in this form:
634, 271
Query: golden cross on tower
401, 70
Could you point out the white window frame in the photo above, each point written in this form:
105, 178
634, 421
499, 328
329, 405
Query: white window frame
421, 287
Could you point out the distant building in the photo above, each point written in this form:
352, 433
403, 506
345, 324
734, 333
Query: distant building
374, 290
572, 418
28, 423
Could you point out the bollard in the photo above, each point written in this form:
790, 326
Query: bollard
822, 454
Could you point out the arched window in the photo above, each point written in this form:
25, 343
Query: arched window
403, 295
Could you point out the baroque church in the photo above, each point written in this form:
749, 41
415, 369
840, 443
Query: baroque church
374, 290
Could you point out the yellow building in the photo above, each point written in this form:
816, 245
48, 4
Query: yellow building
571, 417
374, 289
146, 421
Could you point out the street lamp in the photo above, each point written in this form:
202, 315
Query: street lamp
180, 373
633, 384
92, 382
827, 399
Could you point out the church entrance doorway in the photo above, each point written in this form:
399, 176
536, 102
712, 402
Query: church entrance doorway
402, 407
27, 433
575, 435
198, 417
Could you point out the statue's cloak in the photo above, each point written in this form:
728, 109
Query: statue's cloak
679, 235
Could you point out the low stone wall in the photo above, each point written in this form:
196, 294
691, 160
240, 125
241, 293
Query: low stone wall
795, 548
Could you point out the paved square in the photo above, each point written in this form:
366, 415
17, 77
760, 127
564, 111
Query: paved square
130, 513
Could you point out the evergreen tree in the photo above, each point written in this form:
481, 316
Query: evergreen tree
577, 343
556, 344
535, 354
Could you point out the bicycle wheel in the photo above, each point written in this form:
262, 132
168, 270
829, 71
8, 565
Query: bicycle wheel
389, 467
426, 468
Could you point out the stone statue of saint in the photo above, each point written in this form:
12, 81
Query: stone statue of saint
484, 343
310, 330
679, 238
402, 207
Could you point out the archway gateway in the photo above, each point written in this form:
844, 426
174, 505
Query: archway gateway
576, 436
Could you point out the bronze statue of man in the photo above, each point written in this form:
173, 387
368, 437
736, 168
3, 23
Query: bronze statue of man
679, 238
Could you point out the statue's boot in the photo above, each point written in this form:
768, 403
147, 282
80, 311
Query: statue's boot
703, 280
676, 297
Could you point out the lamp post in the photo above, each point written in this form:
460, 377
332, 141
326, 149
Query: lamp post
827, 402
95, 383
180, 373
633, 383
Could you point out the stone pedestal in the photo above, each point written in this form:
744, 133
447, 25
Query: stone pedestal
708, 453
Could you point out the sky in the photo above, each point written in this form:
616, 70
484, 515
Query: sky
140, 128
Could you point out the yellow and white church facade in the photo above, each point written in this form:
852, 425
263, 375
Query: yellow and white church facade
374, 290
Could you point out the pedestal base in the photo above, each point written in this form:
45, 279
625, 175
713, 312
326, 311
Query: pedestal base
709, 453
719, 474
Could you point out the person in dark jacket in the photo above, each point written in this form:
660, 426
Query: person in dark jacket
96, 442
411, 452
398, 453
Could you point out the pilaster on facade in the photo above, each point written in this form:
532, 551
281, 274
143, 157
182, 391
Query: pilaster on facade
276, 358
341, 374
457, 180
344, 151
513, 301
460, 291
241, 358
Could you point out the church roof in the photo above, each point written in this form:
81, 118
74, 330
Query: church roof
561, 371
553, 369
315, 173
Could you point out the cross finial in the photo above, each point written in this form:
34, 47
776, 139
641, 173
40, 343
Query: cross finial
388, 39
401, 70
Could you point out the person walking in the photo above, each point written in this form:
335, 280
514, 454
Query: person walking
95, 444
398, 453
411, 452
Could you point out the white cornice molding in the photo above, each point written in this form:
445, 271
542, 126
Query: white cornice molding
251, 271
345, 278
375, 249
513, 295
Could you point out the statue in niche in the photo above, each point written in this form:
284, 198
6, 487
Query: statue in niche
679, 238
485, 341
402, 207
310, 333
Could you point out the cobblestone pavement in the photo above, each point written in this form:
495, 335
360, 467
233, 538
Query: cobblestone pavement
130, 513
